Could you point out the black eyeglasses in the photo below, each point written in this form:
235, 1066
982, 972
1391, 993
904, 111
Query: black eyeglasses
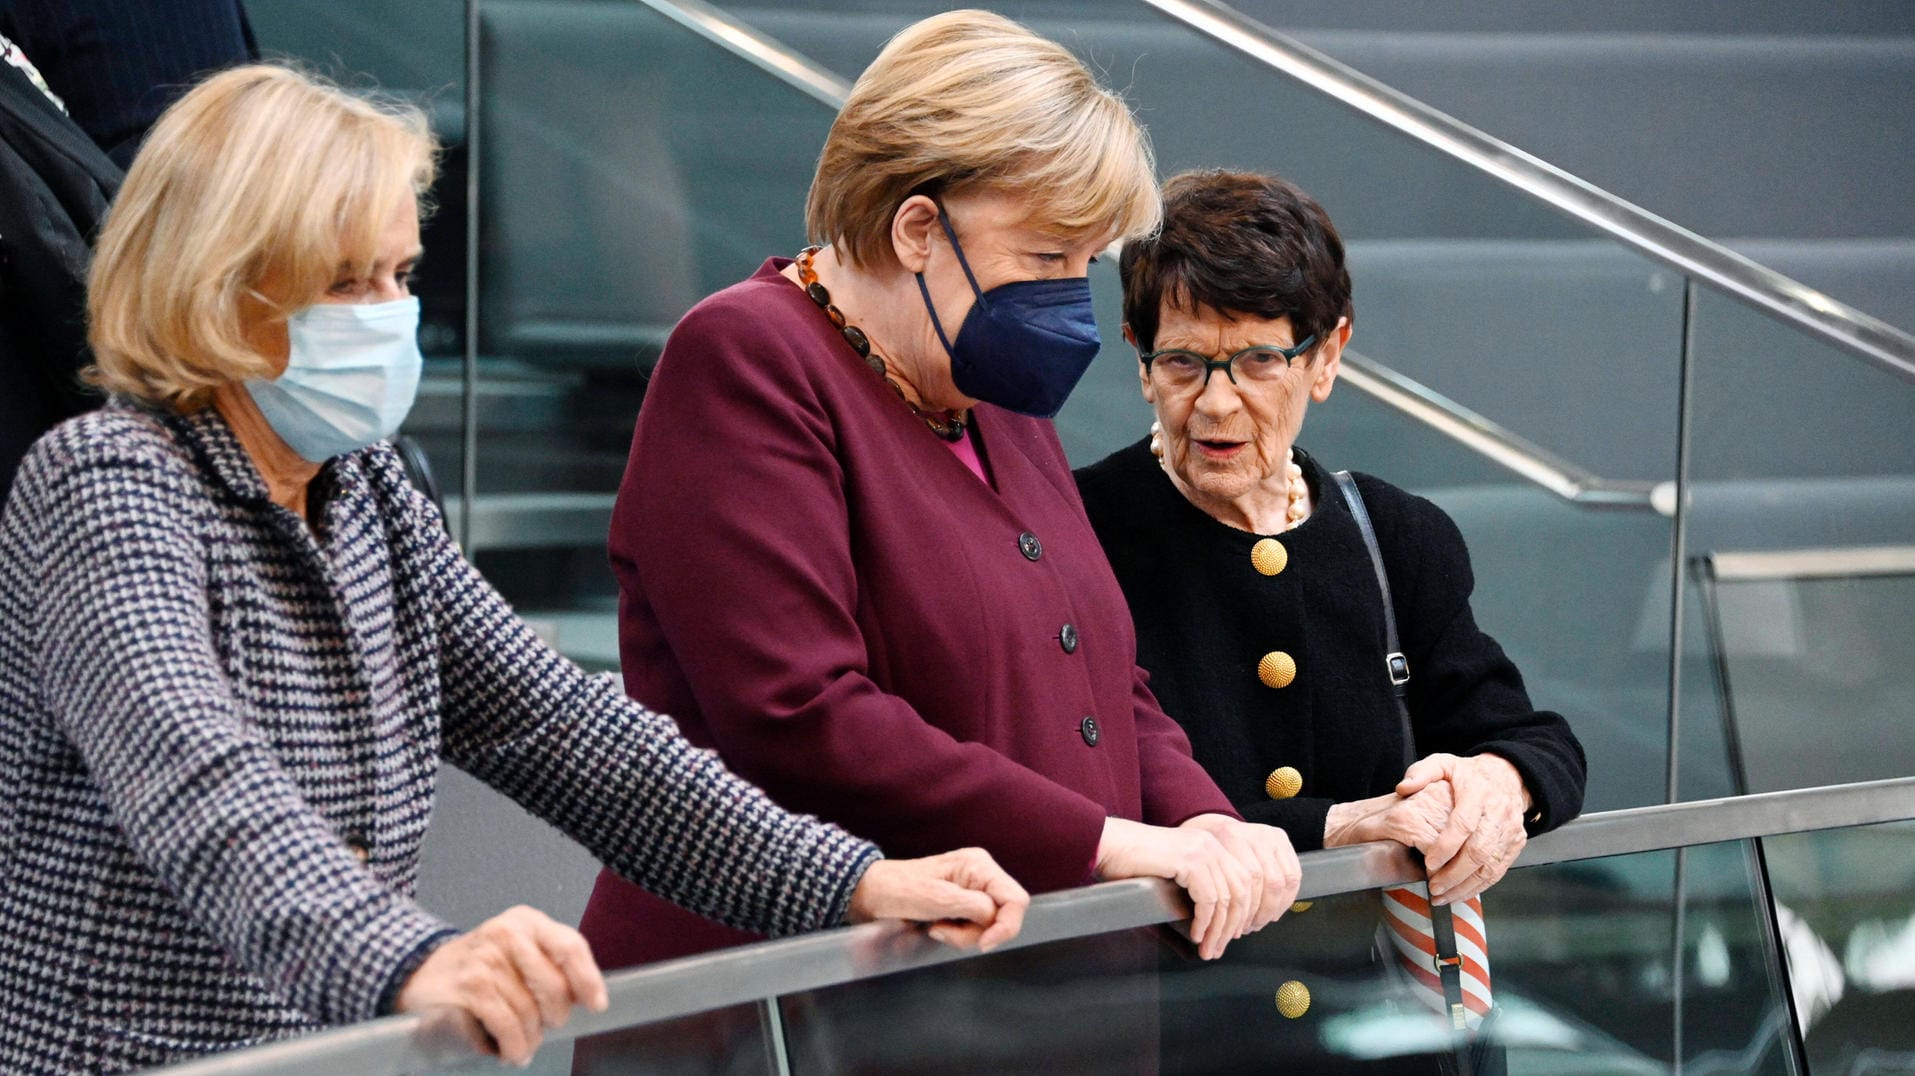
1180, 369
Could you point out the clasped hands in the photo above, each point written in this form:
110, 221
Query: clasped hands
1465, 814
1240, 876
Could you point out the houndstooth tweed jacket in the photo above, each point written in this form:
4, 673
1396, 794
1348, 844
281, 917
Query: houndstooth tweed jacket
218, 739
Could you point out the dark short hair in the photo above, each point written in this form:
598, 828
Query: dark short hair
1242, 244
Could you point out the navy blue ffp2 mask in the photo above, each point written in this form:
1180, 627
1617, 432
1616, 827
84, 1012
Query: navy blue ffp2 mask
1025, 344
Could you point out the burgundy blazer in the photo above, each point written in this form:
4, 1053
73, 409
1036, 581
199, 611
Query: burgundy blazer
815, 586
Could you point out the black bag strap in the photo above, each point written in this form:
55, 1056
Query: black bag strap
1396, 666
1449, 963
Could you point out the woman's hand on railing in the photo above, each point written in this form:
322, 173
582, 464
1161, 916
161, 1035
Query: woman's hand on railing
518, 974
1484, 834
970, 901
1414, 821
1266, 851
1229, 877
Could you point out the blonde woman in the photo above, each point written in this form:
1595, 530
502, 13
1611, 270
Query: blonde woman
878, 596
234, 646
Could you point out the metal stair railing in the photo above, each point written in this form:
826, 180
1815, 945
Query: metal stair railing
1700, 259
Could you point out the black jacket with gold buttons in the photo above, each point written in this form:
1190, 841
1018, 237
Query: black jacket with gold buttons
1273, 661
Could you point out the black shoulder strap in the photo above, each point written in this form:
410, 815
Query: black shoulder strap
1396, 666
1442, 921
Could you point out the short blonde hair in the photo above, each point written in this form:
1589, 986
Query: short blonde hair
258, 172
971, 100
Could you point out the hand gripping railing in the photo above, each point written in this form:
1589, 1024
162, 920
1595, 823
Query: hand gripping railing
753, 973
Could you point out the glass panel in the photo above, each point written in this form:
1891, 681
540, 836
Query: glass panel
629, 168
1845, 902
1582, 955
1086, 1005
1807, 651
1792, 648
1705, 758
732, 1042
724, 1042
1582, 958
1305, 995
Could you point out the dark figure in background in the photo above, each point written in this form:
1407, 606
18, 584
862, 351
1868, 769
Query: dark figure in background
119, 63
54, 188
114, 66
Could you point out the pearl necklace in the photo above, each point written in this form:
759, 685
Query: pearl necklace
1295, 511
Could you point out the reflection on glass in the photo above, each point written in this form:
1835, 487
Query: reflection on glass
735, 1041
1086, 1005
1584, 960
1814, 683
1800, 458
1845, 903
1585, 964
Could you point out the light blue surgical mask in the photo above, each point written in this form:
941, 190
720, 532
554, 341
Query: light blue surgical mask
351, 378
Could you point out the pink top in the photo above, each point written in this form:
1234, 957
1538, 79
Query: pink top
965, 449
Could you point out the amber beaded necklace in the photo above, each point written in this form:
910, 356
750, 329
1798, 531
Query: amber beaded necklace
951, 428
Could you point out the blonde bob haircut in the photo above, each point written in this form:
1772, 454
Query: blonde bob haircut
969, 100
260, 174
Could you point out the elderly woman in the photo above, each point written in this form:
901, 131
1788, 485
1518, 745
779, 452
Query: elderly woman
235, 644
1257, 603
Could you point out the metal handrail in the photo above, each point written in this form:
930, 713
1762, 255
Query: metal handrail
752, 973
768, 54
1710, 263
1498, 443
1838, 563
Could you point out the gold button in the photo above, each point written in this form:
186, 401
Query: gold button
1277, 669
1283, 782
1293, 999
1303, 905
1269, 557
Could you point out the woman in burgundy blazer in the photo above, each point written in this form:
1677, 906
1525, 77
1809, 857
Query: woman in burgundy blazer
859, 573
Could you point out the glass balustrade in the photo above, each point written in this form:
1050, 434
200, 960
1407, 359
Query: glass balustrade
1844, 906
1622, 964
1801, 542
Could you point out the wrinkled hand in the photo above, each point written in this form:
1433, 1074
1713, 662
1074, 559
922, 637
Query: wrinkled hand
1266, 853
970, 901
1484, 834
1218, 884
518, 974
1414, 821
